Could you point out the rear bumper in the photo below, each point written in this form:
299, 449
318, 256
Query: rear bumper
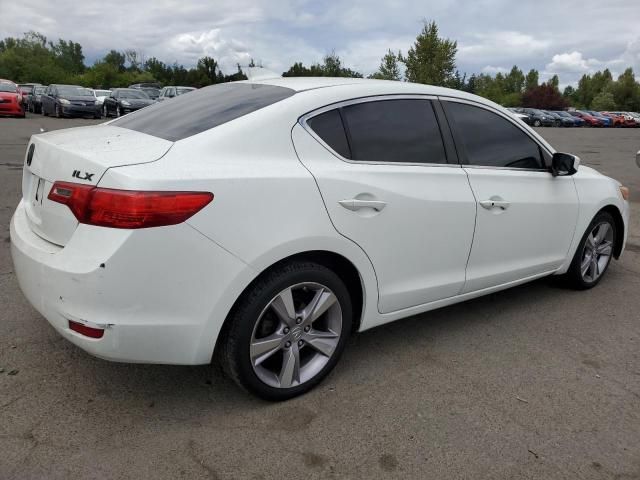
155, 292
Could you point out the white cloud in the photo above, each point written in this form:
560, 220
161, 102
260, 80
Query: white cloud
572, 62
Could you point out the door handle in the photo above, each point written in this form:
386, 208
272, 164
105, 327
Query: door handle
355, 204
489, 204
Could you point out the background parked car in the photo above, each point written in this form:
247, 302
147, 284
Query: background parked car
521, 116
125, 100
537, 117
625, 119
590, 120
25, 90
34, 104
101, 95
10, 99
559, 120
151, 89
69, 100
607, 122
172, 91
577, 121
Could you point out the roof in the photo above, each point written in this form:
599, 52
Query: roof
300, 84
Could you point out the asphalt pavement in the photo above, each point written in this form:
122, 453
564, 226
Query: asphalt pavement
535, 382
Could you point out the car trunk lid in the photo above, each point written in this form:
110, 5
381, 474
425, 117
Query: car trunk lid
80, 155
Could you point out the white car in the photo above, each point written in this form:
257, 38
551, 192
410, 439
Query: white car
101, 95
261, 223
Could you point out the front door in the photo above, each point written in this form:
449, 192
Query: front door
526, 217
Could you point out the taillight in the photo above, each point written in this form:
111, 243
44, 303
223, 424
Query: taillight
106, 207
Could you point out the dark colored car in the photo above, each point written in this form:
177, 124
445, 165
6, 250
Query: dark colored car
559, 120
125, 100
151, 89
69, 101
577, 121
34, 104
537, 117
590, 120
10, 100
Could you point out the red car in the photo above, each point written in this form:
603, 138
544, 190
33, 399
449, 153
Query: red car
620, 120
10, 99
590, 120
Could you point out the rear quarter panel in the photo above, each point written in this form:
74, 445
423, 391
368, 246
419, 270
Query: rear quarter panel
266, 205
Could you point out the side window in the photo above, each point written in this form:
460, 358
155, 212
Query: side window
492, 141
402, 131
328, 126
394, 131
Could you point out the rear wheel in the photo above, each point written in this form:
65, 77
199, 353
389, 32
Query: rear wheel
288, 331
594, 253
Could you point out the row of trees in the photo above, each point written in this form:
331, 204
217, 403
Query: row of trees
35, 59
430, 60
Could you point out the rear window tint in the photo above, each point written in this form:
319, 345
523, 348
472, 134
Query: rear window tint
202, 109
328, 126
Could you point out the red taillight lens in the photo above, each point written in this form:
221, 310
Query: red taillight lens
106, 207
85, 330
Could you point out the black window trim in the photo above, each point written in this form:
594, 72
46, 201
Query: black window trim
545, 153
450, 155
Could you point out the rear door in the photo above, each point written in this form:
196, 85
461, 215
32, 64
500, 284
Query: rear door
526, 217
393, 186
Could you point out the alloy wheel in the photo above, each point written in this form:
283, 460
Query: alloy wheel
296, 335
597, 251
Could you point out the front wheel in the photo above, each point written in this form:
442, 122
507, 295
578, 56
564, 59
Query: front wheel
288, 331
594, 253
537, 123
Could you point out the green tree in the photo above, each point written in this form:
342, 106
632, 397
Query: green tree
209, 68
603, 101
116, 59
431, 59
626, 92
531, 80
389, 68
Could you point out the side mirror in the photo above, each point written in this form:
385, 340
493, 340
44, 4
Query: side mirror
564, 164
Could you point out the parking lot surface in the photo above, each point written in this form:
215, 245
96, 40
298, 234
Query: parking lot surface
534, 382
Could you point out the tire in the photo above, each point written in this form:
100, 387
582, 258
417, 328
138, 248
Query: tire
118, 111
294, 339
537, 123
577, 276
105, 112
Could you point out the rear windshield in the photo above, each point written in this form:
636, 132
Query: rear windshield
202, 109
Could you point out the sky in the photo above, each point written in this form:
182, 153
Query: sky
564, 37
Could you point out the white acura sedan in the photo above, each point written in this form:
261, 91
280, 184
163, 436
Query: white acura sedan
260, 223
